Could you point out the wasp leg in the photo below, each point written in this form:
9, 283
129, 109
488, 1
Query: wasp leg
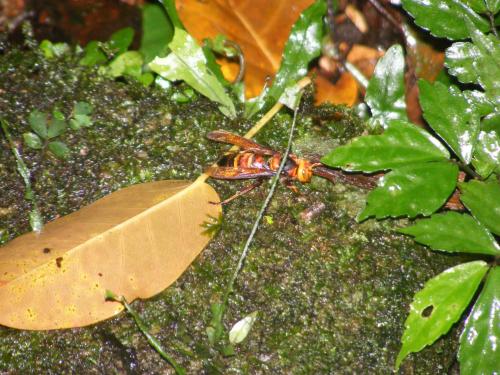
243, 191
288, 182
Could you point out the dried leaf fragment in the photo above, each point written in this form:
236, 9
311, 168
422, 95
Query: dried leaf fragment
136, 241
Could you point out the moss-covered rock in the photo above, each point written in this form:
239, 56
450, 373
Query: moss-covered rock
332, 294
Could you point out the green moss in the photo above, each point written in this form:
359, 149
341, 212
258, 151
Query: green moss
332, 294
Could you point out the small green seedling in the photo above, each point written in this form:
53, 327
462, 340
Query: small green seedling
45, 129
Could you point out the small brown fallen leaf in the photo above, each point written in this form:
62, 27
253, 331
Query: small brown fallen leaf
136, 242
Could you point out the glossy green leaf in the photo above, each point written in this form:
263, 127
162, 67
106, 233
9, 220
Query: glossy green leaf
487, 153
59, 149
169, 6
240, 330
303, 45
385, 94
487, 63
157, 32
477, 6
93, 55
401, 143
482, 198
56, 128
126, 64
32, 140
38, 123
453, 232
188, 63
479, 102
415, 189
439, 305
121, 40
479, 350
493, 6
444, 18
460, 60
447, 112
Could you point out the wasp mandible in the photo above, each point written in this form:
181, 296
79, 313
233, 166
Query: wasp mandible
255, 161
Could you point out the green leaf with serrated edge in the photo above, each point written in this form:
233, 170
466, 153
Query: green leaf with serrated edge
157, 32
415, 189
126, 64
460, 59
487, 153
493, 6
479, 350
447, 112
93, 55
400, 144
479, 102
82, 108
38, 122
188, 63
59, 149
453, 232
444, 18
439, 305
303, 45
385, 94
477, 6
32, 140
487, 63
214, 66
121, 40
56, 128
482, 198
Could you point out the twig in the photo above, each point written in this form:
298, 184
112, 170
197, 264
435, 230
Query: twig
142, 327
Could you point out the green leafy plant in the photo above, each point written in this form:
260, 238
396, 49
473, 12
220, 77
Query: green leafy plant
46, 129
422, 169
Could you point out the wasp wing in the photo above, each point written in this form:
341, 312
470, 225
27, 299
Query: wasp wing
234, 139
230, 173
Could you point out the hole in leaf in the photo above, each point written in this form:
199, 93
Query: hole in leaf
427, 311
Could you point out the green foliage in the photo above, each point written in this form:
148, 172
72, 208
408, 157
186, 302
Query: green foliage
446, 111
440, 304
385, 94
45, 129
415, 189
421, 180
478, 352
402, 143
157, 32
444, 18
52, 50
454, 232
475, 194
35, 217
303, 45
187, 62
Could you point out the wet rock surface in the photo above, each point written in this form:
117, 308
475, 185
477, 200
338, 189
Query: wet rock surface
331, 294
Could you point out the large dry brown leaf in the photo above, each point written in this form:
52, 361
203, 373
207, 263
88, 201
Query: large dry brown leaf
260, 27
134, 242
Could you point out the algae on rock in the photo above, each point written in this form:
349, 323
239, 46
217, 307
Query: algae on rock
332, 294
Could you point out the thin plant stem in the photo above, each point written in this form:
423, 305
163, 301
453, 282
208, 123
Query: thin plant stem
35, 216
262, 210
142, 327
